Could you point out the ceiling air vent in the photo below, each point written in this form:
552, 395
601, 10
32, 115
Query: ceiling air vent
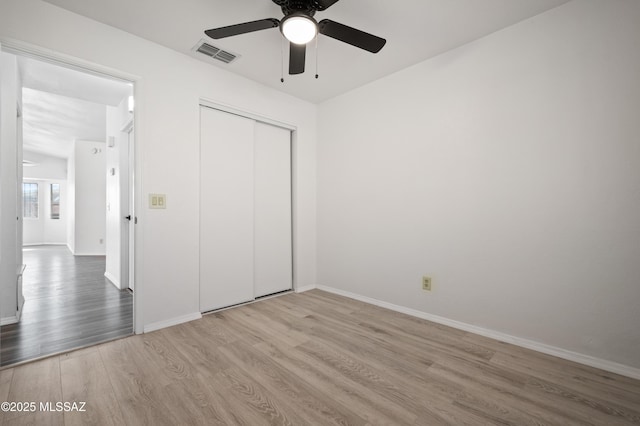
215, 52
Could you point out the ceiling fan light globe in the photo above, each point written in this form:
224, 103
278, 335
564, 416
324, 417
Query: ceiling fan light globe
299, 29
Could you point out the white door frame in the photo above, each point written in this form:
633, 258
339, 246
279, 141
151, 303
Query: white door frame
21, 48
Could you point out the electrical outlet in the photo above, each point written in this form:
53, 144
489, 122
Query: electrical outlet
426, 283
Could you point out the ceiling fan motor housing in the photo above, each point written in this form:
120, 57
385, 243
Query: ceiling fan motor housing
306, 7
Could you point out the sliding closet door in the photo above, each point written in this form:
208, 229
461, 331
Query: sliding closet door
226, 209
272, 210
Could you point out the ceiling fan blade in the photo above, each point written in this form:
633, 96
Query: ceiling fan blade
325, 4
351, 36
297, 55
247, 27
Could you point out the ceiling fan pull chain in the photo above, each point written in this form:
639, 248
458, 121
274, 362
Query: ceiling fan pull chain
282, 61
316, 57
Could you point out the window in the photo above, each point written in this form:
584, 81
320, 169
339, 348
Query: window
30, 200
55, 201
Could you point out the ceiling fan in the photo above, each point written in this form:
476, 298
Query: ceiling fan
299, 27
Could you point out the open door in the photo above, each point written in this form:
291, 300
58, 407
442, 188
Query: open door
127, 230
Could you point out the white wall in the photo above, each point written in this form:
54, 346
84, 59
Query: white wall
90, 192
46, 166
509, 171
167, 139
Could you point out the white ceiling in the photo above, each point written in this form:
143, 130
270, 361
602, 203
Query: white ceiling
415, 31
52, 123
52, 78
61, 105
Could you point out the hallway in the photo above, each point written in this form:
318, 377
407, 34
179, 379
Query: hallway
68, 304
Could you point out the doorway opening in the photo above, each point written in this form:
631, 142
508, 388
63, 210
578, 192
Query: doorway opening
72, 195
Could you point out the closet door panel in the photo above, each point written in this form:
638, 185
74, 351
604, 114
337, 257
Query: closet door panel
226, 209
272, 210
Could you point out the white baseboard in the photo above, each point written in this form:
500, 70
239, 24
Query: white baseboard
9, 320
112, 279
171, 322
304, 288
603, 364
78, 253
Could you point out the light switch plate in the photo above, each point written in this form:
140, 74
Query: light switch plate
157, 201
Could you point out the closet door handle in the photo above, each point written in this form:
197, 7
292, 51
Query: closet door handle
128, 217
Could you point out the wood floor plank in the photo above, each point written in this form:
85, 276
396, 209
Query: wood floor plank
195, 345
379, 378
576, 377
215, 329
312, 404
314, 359
292, 309
594, 407
85, 379
286, 318
239, 330
359, 344
140, 397
362, 400
493, 401
335, 302
434, 336
157, 356
252, 319
54, 419
5, 383
540, 363
175, 376
257, 405
194, 405
38, 382
412, 378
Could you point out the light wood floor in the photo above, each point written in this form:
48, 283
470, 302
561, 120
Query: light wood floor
68, 304
317, 359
